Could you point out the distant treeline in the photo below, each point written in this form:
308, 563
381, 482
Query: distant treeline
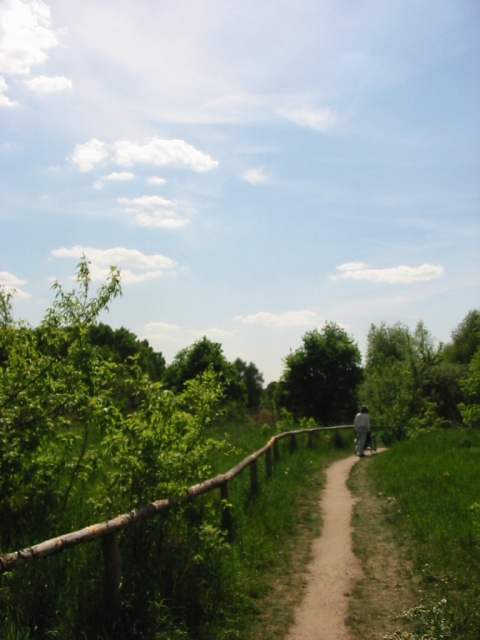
409, 381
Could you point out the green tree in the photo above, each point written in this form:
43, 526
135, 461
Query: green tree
66, 438
470, 408
195, 360
252, 380
123, 346
408, 384
321, 378
465, 339
53, 388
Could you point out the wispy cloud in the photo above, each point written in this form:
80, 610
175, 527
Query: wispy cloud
11, 284
135, 266
286, 319
312, 117
392, 275
44, 84
156, 180
256, 176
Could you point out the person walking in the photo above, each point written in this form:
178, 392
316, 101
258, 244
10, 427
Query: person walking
362, 427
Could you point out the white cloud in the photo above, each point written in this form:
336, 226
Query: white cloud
256, 176
308, 116
44, 84
147, 201
26, 35
146, 266
122, 175
393, 275
11, 284
156, 180
162, 152
89, 154
155, 151
286, 319
161, 219
5, 100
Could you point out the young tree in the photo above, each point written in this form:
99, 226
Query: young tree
252, 380
321, 378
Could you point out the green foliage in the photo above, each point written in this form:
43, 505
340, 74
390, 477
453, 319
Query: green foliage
194, 360
161, 449
252, 380
122, 346
408, 385
53, 389
470, 409
320, 379
465, 339
431, 486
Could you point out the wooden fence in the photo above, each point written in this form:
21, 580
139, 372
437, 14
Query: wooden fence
108, 530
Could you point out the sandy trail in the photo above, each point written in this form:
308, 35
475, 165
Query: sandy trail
330, 574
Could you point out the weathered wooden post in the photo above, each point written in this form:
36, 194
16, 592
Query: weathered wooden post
113, 571
293, 443
276, 451
268, 462
226, 510
310, 440
254, 476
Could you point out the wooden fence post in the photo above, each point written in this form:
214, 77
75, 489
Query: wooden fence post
113, 571
293, 443
276, 451
254, 476
226, 510
268, 462
310, 440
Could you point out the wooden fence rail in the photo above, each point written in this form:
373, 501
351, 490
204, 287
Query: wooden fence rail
108, 530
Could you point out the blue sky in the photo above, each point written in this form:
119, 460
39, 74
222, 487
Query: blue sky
254, 168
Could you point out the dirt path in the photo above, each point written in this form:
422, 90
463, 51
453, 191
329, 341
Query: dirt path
330, 574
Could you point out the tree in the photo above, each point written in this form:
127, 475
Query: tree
252, 380
470, 409
321, 378
408, 383
465, 339
69, 450
123, 346
195, 360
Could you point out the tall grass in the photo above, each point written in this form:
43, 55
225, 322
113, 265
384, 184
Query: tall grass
432, 486
182, 578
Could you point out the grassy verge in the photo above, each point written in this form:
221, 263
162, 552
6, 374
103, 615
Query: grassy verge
181, 579
426, 491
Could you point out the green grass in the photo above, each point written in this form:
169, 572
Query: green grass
431, 484
181, 578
